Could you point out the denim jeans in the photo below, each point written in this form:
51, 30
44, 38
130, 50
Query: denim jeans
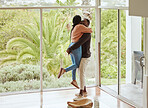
75, 58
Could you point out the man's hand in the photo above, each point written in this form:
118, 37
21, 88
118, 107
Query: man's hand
68, 51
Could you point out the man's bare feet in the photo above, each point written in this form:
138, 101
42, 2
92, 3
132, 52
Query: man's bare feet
74, 83
81, 94
62, 71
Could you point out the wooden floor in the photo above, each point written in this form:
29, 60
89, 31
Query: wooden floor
58, 99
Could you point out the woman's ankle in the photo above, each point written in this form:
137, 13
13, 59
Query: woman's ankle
64, 69
74, 80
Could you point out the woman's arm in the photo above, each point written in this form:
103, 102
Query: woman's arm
84, 29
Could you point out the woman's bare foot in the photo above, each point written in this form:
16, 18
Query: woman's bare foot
62, 71
74, 83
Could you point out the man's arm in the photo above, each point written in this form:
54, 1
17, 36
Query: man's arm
85, 37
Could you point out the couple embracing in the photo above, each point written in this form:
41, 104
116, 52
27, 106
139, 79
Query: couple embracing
79, 50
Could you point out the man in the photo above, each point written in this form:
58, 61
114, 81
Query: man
84, 41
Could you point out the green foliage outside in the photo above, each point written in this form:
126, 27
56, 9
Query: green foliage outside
27, 49
109, 44
9, 20
20, 47
19, 77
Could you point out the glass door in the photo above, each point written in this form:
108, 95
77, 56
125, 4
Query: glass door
109, 46
122, 54
131, 68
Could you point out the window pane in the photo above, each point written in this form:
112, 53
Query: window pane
109, 48
113, 3
12, 3
57, 26
19, 50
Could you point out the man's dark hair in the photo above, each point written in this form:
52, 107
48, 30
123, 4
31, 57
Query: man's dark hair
88, 21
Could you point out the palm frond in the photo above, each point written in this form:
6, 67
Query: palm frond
23, 42
7, 53
31, 32
27, 51
8, 60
